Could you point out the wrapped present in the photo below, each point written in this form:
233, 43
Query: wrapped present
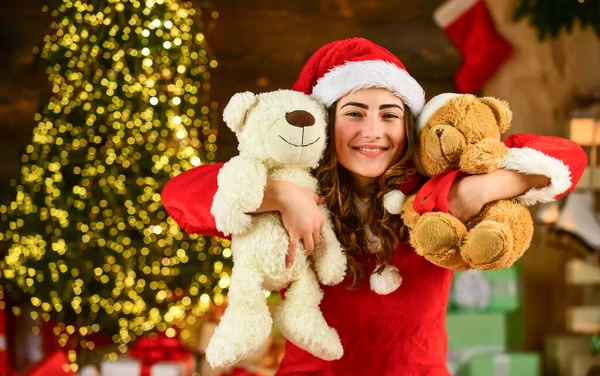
560, 350
88, 370
3, 347
470, 329
129, 366
508, 364
153, 356
471, 334
56, 364
492, 291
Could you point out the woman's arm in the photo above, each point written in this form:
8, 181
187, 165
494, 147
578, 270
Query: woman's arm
300, 214
188, 199
468, 195
536, 169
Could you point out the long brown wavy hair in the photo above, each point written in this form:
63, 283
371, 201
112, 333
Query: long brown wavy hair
335, 183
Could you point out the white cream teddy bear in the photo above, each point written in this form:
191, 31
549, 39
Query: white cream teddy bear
282, 136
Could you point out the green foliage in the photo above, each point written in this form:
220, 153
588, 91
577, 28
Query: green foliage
549, 17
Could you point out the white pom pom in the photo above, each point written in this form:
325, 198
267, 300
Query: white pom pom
392, 201
387, 282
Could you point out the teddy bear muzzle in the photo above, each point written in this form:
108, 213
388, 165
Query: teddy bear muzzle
448, 141
300, 118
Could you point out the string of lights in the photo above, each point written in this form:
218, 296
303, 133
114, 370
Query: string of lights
86, 240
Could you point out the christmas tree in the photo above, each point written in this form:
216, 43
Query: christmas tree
86, 240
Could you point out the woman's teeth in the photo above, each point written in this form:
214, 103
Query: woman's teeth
370, 150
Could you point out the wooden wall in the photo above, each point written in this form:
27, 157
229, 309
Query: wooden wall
262, 45
544, 82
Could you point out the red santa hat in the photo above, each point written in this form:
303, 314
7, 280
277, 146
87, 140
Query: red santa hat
341, 67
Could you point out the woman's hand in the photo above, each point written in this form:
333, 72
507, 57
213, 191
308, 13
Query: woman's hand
468, 195
300, 214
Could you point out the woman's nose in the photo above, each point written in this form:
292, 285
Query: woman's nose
373, 128
300, 118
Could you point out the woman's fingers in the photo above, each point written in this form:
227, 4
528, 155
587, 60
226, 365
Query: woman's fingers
291, 253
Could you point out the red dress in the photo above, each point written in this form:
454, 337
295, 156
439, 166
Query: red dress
403, 333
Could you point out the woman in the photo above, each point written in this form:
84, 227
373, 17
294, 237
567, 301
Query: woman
373, 102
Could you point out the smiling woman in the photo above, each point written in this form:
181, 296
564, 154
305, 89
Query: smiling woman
369, 133
372, 102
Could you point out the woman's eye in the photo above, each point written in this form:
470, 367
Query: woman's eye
391, 115
353, 114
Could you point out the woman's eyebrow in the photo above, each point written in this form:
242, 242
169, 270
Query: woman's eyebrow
357, 104
384, 106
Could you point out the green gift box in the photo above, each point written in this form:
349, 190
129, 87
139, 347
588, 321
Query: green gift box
472, 334
477, 329
511, 364
491, 291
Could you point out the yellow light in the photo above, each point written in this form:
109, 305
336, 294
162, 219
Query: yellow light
154, 101
168, 24
147, 62
177, 120
145, 51
146, 33
180, 134
167, 44
196, 161
156, 23
176, 101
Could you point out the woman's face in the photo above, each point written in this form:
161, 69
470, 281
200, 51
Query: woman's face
369, 133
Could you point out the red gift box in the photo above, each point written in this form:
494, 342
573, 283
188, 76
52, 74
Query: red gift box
160, 348
3, 353
56, 364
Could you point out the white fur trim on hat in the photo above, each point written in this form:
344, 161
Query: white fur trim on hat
387, 282
531, 161
393, 200
431, 108
449, 11
356, 75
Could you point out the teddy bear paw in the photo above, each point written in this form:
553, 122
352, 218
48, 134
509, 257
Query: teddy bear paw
238, 335
488, 246
437, 237
229, 220
436, 233
306, 328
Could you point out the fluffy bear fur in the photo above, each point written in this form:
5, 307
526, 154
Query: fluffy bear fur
276, 142
463, 132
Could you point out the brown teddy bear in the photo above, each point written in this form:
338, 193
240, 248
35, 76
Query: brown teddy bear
457, 135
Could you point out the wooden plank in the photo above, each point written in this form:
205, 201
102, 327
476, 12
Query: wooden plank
583, 319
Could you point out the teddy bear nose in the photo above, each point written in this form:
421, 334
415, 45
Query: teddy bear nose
300, 118
439, 132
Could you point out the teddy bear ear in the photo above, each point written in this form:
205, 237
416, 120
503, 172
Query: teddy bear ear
501, 111
236, 110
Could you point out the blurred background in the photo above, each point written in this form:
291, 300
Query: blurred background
149, 79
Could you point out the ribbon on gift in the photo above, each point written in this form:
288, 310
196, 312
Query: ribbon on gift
502, 365
458, 358
150, 350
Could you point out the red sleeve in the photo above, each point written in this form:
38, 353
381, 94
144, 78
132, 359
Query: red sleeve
188, 198
562, 160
